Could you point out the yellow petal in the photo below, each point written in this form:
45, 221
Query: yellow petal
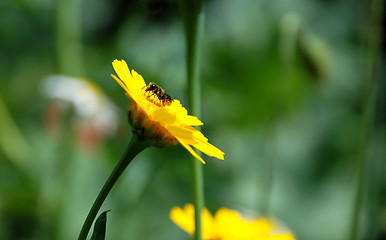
125, 77
138, 80
123, 72
190, 120
190, 150
231, 225
183, 218
203, 145
282, 236
192, 136
208, 225
176, 107
119, 81
161, 115
262, 226
130, 94
209, 150
183, 133
197, 134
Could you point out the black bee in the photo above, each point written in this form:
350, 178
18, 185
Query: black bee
154, 89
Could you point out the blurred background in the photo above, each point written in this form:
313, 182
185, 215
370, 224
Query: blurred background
284, 93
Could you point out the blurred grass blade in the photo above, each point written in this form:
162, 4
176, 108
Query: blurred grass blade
360, 220
100, 227
12, 141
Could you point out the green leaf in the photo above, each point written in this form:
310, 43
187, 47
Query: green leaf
100, 227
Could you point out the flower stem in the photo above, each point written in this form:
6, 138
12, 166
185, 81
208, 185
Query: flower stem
194, 18
198, 195
135, 146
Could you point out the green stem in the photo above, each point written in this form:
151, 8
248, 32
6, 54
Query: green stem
135, 147
194, 18
368, 109
198, 194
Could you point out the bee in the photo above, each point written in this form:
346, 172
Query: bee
153, 89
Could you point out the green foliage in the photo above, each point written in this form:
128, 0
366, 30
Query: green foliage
282, 85
100, 227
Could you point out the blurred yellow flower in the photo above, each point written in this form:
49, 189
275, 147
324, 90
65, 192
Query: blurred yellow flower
152, 119
228, 224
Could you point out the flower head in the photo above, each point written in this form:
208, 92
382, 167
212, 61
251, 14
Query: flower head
157, 118
228, 224
95, 115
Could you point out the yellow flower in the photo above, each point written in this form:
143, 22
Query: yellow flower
227, 225
162, 123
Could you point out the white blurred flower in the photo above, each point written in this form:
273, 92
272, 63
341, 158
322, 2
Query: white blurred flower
94, 111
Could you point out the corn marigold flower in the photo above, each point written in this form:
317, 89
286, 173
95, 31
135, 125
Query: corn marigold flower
228, 224
157, 118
